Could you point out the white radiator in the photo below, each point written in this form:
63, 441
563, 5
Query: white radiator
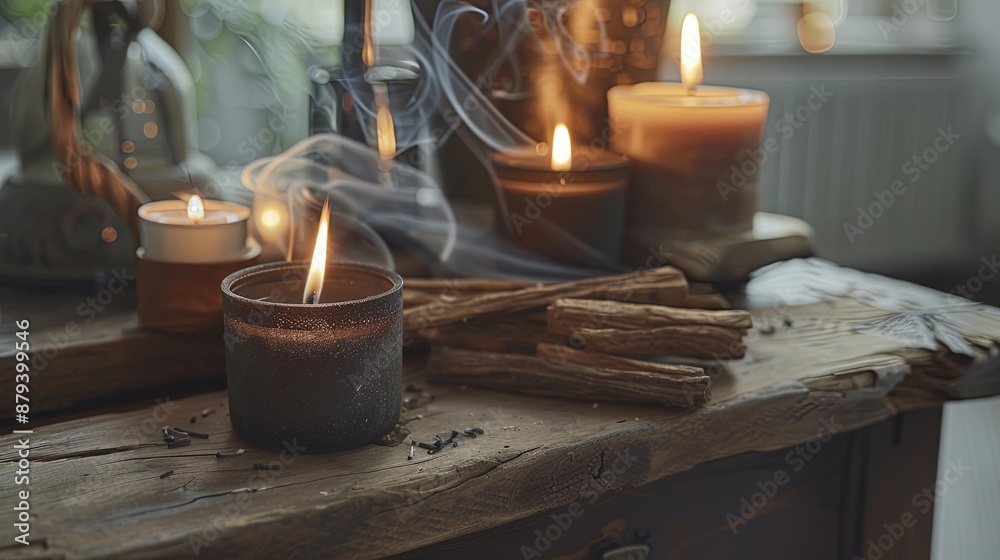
884, 110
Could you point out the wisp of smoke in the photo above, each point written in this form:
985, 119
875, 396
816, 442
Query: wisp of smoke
405, 207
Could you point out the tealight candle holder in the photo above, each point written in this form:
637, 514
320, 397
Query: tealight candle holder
325, 375
183, 260
216, 233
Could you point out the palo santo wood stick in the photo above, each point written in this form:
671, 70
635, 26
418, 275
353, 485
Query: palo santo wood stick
416, 298
522, 332
566, 316
421, 291
693, 341
659, 285
569, 373
560, 353
494, 336
466, 286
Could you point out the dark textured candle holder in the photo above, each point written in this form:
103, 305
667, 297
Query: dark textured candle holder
325, 376
574, 217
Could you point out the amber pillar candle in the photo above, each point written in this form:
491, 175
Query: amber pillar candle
568, 206
695, 154
324, 375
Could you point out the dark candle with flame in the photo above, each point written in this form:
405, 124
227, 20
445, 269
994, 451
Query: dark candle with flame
324, 374
567, 206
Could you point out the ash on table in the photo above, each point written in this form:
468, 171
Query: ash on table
444, 441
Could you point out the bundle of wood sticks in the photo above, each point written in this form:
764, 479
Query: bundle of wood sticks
578, 339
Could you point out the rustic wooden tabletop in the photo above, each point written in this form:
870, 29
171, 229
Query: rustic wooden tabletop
831, 350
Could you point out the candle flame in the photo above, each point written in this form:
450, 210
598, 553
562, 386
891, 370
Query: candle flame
317, 270
691, 74
195, 209
368, 49
386, 133
562, 149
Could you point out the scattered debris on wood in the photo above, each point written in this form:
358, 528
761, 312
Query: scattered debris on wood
444, 440
233, 453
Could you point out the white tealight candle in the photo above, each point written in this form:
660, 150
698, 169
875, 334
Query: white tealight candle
194, 232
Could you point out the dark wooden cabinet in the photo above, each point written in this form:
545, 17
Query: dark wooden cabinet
850, 496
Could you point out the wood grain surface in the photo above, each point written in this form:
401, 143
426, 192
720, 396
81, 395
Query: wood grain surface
826, 353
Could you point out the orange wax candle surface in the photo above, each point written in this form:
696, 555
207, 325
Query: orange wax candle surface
662, 122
